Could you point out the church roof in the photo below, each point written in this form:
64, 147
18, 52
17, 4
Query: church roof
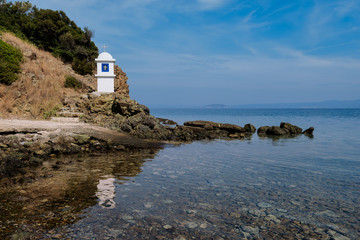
105, 56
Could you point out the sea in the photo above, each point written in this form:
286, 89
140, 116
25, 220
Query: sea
254, 188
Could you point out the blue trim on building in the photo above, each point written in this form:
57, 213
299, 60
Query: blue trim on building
105, 67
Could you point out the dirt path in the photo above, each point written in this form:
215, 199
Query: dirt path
31, 126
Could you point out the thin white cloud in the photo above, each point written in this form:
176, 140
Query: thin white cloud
343, 8
280, 10
324, 18
211, 4
248, 17
304, 59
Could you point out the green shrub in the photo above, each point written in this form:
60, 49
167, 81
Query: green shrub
10, 59
71, 82
51, 112
83, 67
52, 31
66, 56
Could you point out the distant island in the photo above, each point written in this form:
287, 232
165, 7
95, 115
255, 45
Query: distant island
322, 104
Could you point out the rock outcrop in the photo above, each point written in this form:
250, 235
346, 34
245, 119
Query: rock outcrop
284, 130
167, 121
120, 83
120, 113
123, 114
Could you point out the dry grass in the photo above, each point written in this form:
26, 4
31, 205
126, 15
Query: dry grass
40, 87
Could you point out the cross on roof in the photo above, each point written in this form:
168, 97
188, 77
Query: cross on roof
104, 48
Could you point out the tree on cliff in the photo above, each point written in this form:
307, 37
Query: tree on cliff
52, 31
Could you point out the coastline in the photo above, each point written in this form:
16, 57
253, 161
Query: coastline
104, 123
28, 143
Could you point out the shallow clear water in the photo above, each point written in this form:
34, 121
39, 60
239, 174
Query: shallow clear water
267, 188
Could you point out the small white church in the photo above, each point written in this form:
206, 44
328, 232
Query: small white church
105, 73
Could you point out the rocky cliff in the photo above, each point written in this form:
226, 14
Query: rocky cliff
121, 86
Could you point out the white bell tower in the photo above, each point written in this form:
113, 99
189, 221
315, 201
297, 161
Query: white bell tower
105, 73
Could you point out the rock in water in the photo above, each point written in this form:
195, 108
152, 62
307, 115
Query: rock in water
262, 130
285, 129
249, 128
291, 128
231, 128
309, 131
277, 131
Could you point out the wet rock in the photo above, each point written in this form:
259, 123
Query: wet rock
167, 226
337, 236
250, 229
20, 235
284, 130
328, 213
191, 225
190, 211
277, 131
189, 133
237, 135
272, 218
291, 128
262, 130
203, 225
264, 205
231, 128
249, 128
179, 238
148, 205
256, 212
202, 124
309, 131
127, 217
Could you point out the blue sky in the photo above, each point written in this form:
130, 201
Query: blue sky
193, 53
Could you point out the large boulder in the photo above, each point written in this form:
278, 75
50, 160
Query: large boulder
291, 128
262, 130
190, 133
128, 108
231, 128
277, 131
249, 128
202, 124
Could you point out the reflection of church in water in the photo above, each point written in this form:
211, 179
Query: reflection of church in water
106, 192
123, 166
